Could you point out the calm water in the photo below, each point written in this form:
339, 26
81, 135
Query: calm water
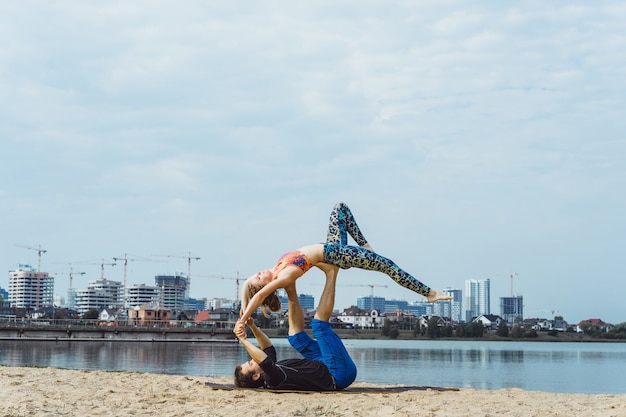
552, 367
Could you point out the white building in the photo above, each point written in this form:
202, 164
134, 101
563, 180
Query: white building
174, 291
99, 294
449, 308
359, 318
477, 298
59, 300
218, 303
29, 288
140, 294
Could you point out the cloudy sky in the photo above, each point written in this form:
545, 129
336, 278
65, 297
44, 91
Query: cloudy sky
471, 140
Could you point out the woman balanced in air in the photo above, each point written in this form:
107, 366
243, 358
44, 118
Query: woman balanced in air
260, 289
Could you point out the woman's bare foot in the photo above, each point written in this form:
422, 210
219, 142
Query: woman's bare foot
435, 295
368, 246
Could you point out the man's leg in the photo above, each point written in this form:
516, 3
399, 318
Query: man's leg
327, 300
298, 338
296, 316
334, 353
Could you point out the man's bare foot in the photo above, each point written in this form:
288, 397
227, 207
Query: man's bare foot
435, 295
368, 246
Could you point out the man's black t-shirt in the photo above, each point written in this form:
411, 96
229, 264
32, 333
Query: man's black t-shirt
300, 374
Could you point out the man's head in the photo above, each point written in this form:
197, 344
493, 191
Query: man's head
249, 375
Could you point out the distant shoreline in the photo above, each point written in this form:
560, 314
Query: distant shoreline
12, 333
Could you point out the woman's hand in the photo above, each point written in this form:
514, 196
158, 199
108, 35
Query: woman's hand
240, 330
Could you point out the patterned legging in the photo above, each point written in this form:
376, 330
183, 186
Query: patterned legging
337, 251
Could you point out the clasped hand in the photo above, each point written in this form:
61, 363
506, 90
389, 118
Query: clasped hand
240, 329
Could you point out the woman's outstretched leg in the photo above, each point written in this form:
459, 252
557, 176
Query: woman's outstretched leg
359, 257
341, 224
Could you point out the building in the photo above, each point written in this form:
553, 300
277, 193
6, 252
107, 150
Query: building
99, 294
29, 288
59, 300
219, 303
489, 321
512, 309
307, 301
362, 318
477, 298
371, 303
4, 297
420, 308
392, 306
141, 294
174, 291
195, 304
453, 308
149, 316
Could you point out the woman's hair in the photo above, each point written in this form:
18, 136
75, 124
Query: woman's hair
269, 305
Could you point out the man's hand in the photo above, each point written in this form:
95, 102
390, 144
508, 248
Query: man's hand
240, 330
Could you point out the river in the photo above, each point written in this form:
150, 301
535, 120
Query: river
566, 367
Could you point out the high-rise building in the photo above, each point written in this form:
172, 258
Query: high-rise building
4, 297
420, 308
99, 294
174, 291
307, 301
477, 298
371, 303
29, 288
450, 308
59, 300
512, 309
141, 294
392, 306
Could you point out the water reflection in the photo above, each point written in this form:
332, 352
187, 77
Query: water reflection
552, 367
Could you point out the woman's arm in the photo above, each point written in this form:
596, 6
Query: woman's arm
244, 298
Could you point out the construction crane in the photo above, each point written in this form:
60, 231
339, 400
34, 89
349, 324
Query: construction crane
126, 259
222, 276
102, 265
512, 274
372, 292
39, 253
70, 292
189, 259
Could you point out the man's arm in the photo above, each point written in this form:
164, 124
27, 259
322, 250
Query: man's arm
261, 338
256, 353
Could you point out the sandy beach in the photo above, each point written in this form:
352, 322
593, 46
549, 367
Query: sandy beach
44, 392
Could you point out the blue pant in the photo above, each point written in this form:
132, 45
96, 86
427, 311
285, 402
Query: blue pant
328, 348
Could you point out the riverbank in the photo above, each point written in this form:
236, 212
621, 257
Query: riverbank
59, 392
114, 334
177, 334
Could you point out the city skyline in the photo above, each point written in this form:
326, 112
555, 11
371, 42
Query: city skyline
171, 292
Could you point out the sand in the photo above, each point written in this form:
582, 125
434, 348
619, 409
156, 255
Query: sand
41, 392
